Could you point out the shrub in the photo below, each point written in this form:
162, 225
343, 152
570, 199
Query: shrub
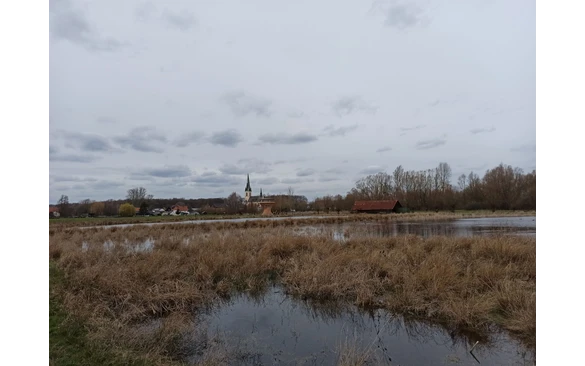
127, 210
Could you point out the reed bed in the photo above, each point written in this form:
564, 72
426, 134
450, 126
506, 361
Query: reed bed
471, 283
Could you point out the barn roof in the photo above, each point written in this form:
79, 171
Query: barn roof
375, 205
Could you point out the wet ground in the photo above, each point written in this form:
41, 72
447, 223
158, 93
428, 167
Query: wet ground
461, 227
342, 232
203, 221
276, 329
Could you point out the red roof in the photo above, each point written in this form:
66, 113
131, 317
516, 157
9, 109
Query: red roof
53, 209
180, 208
375, 205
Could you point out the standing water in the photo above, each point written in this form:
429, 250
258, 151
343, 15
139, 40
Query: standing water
277, 329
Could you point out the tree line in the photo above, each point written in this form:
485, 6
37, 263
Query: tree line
500, 188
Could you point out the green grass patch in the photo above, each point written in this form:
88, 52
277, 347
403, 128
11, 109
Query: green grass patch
68, 343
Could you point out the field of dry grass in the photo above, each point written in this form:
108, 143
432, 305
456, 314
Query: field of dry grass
471, 283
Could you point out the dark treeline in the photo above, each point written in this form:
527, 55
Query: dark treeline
89, 207
500, 188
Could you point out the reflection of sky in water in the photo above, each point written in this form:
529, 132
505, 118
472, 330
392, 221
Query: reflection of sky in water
280, 330
465, 227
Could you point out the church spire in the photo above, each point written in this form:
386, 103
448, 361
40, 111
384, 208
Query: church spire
248, 188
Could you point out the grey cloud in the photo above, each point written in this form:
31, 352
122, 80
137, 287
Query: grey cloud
404, 15
189, 138
245, 166
142, 139
524, 148
105, 184
339, 131
72, 179
175, 171
292, 181
213, 179
72, 158
298, 160
335, 171
437, 102
429, 144
328, 179
372, 169
106, 120
350, 104
53, 150
288, 139
384, 149
305, 172
242, 104
229, 138
417, 127
145, 11
268, 181
88, 142
182, 21
296, 114
482, 130
70, 24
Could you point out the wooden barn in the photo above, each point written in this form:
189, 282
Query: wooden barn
376, 206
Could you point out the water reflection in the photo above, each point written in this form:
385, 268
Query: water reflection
276, 328
465, 227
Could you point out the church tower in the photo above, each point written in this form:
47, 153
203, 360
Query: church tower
248, 190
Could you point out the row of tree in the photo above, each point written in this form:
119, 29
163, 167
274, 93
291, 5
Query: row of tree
502, 187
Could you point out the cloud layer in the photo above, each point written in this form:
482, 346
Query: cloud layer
187, 99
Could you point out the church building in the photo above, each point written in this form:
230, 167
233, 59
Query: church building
248, 198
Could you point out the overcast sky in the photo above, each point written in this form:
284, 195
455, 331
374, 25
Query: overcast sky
186, 98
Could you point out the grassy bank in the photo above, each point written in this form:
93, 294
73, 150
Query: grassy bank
468, 283
69, 343
319, 218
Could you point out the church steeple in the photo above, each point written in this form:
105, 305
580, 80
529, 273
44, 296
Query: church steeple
248, 188
260, 192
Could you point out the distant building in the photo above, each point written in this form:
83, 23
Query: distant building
54, 211
376, 206
248, 198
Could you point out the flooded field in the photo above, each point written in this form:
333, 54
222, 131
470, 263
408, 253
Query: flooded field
330, 293
523, 225
276, 329
462, 227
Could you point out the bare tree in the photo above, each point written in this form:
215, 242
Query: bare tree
462, 182
443, 176
374, 187
63, 205
399, 183
97, 208
233, 204
136, 195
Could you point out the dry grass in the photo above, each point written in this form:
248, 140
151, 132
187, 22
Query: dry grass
288, 218
469, 283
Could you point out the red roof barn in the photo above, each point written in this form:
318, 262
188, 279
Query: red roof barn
376, 206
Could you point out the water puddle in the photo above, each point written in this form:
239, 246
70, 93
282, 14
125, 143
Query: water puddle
145, 246
277, 329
